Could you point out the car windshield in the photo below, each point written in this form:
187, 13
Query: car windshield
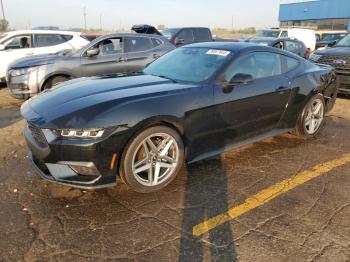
261, 42
169, 33
268, 33
344, 41
189, 64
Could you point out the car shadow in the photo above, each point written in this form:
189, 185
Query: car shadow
9, 116
205, 197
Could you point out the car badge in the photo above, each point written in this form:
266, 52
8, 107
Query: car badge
339, 62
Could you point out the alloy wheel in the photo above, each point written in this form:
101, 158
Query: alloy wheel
314, 117
155, 159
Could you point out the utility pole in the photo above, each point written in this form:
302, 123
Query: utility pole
232, 23
84, 18
3, 11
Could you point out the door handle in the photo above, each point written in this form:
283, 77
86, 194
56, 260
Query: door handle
155, 56
121, 59
30, 54
282, 88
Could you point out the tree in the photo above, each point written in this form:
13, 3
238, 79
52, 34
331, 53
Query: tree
161, 27
4, 25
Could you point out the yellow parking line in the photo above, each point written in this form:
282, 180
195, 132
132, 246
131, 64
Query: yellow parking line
268, 194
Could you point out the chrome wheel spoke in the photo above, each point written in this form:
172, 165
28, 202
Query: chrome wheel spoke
156, 159
167, 147
151, 145
317, 109
143, 168
169, 159
314, 117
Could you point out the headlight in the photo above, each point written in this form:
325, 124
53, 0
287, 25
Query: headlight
22, 71
314, 57
80, 133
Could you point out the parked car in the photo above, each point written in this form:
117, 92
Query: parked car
337, 56
178, 36
182, 35
19, 44
329, 39
115, 53
307, 36
289, 44
192, 103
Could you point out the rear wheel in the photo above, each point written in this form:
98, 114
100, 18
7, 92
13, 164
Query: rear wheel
55, 81
312, 117
152, 159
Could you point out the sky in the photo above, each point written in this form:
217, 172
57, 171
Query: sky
116, 14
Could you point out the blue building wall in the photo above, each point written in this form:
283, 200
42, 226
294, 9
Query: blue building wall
310, 10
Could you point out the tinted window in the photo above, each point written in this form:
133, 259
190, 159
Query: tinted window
291, 63
284, 34
258, 65
110, 46
18, 42
201, 34
291, 46
268, 33
156, 42
186, 35
189, 64
48, 40
169, 32
138, 44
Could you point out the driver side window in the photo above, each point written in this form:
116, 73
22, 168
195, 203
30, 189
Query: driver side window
19, 42
258, 65
109, 46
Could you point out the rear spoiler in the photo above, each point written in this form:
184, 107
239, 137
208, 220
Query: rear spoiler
146, 29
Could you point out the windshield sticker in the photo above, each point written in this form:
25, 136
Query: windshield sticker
218, 52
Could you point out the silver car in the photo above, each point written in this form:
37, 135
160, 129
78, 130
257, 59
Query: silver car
110, 54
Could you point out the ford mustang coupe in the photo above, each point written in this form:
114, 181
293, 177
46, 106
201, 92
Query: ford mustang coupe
192, 103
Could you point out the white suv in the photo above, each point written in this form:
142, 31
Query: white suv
19, 44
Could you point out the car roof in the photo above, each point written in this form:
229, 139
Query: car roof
229, 46
239, 47
20, 32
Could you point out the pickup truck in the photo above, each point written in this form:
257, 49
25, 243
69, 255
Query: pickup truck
180, 36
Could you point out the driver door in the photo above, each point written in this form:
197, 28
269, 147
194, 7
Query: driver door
109, 60
247, 110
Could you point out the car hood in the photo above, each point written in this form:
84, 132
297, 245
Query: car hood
334, 51
38, 61
70, 103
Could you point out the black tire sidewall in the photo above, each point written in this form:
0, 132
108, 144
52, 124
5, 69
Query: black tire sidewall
126, 161
54, 81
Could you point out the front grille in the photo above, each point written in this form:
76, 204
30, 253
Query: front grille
338, 62
38, 135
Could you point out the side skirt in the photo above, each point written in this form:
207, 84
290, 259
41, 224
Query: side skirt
239, 144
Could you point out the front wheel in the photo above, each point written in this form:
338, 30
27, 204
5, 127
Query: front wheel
311, 118
55, 81
152, 159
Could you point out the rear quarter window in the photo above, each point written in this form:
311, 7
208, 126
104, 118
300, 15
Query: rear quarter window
290, 64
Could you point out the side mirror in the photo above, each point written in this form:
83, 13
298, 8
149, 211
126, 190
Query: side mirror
238, 79
92, 52
2, 47
179, 41
333, 43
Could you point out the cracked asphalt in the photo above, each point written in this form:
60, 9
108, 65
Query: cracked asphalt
40, 221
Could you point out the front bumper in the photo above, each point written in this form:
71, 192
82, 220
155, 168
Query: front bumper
80, 164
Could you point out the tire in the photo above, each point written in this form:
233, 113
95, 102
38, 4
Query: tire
55, 81
311, 121
141, 162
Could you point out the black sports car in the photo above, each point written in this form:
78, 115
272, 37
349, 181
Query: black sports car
194, 102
